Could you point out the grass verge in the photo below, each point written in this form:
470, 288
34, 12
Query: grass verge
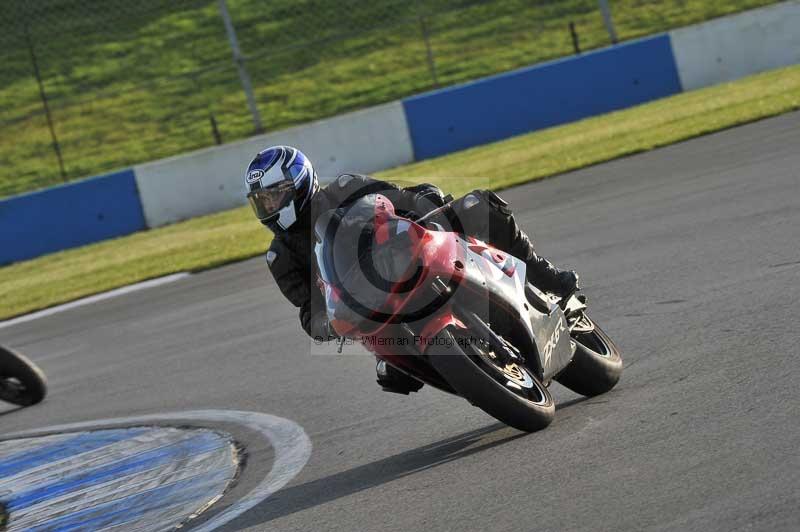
233, 235
130, 82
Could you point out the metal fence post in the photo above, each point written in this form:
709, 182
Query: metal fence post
239, 60
43, 95
608, 21
575, 41
429, 51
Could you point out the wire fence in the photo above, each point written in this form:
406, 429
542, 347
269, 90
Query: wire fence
87, 86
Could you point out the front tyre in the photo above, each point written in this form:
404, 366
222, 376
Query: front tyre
21, 381
596, 366
510, 393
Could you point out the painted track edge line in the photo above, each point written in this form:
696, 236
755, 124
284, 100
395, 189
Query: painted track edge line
117, 292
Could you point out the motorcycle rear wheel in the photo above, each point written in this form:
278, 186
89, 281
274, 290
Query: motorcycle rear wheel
512, 395
597, 365
21, 381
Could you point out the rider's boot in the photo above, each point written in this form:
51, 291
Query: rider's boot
542, 273
395, 381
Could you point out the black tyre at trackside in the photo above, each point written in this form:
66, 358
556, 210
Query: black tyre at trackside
460, 369
596, 366
24, 383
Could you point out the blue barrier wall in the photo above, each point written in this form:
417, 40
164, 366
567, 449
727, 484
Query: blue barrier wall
69, 215
541, 96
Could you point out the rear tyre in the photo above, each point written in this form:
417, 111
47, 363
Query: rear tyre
596, 366
21, 381
510, 394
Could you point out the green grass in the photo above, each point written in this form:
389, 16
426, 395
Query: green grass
130, 82
220, 238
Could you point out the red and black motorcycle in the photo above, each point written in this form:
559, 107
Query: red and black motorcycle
457, 314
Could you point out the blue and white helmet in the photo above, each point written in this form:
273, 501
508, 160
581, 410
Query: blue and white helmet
280, 183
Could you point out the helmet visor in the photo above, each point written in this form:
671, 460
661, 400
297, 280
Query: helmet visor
266, 202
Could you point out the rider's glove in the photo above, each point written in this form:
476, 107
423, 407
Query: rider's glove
321, 330
316, 324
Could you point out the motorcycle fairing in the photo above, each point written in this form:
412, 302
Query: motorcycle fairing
503, 278
479, 275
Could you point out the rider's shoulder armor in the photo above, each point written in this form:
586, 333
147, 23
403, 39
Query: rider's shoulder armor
347, 188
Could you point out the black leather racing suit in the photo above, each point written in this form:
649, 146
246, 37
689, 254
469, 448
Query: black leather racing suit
480, 213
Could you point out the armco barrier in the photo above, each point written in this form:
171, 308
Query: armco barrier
68, 216
541, 96
211, 180
736, 46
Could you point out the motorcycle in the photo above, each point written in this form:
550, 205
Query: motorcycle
457, 314
21, 381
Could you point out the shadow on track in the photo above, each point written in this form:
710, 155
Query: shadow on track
320, 491
10, 410
567, 404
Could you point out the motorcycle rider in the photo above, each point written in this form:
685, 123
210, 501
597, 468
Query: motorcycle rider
284, 192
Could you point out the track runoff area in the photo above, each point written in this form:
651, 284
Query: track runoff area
199, 402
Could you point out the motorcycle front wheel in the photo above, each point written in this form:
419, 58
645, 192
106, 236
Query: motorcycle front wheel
21, 381
508, 392
596, 366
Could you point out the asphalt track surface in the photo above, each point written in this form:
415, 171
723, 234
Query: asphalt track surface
690, 256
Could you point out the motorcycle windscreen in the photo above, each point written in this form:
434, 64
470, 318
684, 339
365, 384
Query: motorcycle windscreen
369, 267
